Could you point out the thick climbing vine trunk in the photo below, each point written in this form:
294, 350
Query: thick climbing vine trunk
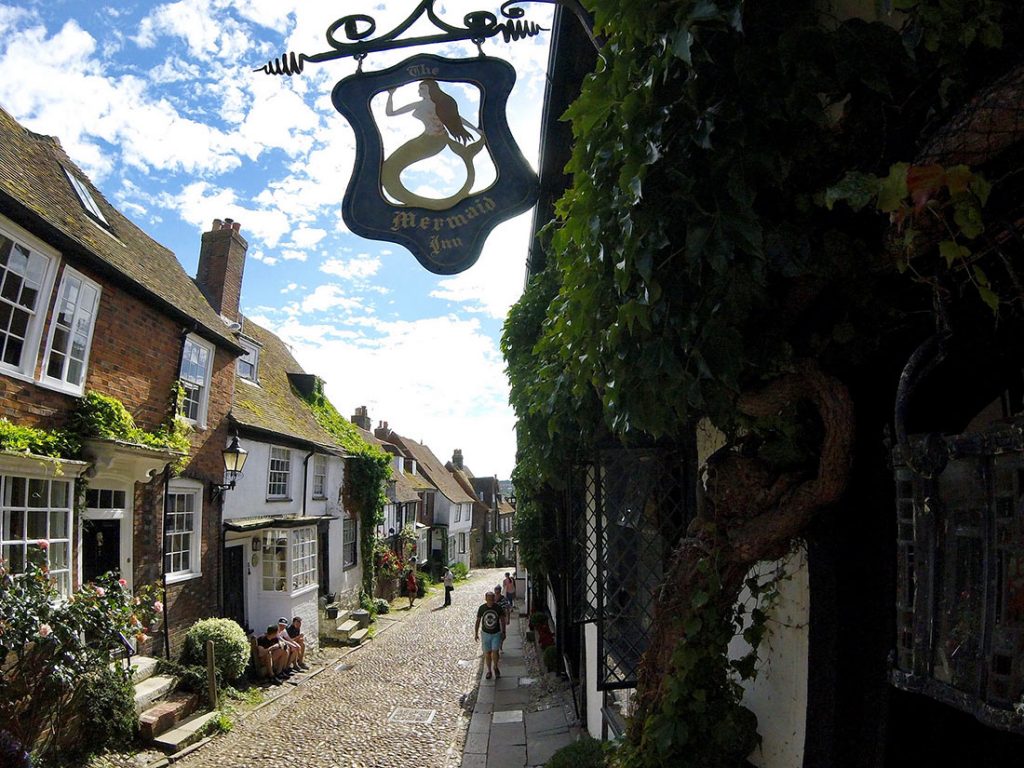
751, 514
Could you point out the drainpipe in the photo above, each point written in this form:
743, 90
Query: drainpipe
305, 479
163, 560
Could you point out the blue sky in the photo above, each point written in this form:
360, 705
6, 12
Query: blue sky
158, 103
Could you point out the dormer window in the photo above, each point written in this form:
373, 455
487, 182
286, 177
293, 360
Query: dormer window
86, 199
248, 364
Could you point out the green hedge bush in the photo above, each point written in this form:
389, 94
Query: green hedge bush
230, 646
460, 571
585, 753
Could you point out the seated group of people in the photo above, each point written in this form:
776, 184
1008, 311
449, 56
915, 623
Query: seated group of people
282, 650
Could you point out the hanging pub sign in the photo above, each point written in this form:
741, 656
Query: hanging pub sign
436, 166
444, 213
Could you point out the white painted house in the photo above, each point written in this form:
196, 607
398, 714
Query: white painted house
287, 536
449, 507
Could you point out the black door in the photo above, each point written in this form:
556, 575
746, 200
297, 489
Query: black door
101, 548
234, 593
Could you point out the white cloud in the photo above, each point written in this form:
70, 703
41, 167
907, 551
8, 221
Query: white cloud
361, 267
455, 395
326, 297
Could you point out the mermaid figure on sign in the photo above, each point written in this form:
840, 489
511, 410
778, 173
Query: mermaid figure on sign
443, 126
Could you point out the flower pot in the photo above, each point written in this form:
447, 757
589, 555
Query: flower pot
332, 611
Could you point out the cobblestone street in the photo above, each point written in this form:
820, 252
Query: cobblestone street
425, 659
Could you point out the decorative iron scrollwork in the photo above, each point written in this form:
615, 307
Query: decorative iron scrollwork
357, 30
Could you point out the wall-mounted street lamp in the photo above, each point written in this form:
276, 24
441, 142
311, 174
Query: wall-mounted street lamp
234, 460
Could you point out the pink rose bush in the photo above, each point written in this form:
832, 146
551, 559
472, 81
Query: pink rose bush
51, 643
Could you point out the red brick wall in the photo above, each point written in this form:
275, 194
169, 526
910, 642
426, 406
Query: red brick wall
135, 356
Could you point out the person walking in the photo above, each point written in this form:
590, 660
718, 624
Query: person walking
492, 619
449, 585
510, 591
410, 587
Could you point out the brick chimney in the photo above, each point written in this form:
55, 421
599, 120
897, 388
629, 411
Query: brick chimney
362, 419
382, 432
221, 262
457, 458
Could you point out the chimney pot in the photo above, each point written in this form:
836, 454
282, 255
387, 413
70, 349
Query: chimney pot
236, 227
217, 224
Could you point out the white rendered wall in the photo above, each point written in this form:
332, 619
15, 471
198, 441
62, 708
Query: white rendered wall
592, 717
778, 693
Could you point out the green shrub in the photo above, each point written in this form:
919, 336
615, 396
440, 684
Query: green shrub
230, 646
585, 753
107, 704
380, 605
550, 658
460, 571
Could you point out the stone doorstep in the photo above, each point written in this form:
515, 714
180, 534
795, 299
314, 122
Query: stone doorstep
347, 628
151, 689
358, 636
165, 714
143, 668
186, 733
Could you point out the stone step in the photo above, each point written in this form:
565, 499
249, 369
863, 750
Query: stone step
346, 629
143, 668
167, 713
188, 732
151, 689
357, 637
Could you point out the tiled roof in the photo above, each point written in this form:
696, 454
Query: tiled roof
272, 406
466, 481
36, 193
433, 470
404, 487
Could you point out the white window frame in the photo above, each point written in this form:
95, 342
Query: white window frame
349, 539
186, 490
319, 476
252, 351
290, 560
204, 393
78, 314
281, 475
451, 549
304, 559
462, 543
34, 332
30, 534
86, 199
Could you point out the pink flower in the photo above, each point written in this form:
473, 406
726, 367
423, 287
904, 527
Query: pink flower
43, 545
100, 591
158, 606
44, 630
122, 582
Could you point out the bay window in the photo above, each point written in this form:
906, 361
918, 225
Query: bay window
289, 559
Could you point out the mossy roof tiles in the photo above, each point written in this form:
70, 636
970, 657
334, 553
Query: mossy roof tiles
36, 193
272, 406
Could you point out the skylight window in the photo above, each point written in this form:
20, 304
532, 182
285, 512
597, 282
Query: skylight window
86, 198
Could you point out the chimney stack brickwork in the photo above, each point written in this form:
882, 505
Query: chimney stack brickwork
457, 458
221, 264
361, 418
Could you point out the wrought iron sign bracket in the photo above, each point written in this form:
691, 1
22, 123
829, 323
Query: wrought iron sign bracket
358, 30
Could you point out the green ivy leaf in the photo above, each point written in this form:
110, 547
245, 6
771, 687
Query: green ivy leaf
950, 250
892, 190
856, 189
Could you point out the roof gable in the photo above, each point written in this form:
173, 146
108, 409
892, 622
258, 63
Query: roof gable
431, 468
35, 191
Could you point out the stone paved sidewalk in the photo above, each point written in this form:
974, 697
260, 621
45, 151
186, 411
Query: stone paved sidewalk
518, 721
